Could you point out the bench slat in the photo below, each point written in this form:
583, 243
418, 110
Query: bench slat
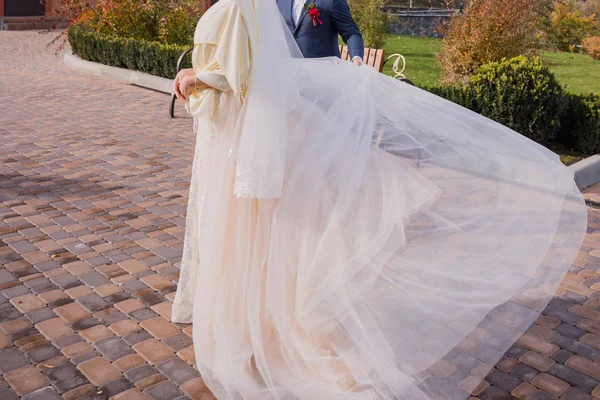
373, 57
345, 53
379, 60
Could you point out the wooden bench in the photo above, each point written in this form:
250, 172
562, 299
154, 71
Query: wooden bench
373, 57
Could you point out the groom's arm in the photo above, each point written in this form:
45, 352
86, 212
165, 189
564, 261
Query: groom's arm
342, 17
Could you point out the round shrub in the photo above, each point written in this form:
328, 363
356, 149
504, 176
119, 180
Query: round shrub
520, 93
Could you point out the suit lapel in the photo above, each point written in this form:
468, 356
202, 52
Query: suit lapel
285, 7
303, 15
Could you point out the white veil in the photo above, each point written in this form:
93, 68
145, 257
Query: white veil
412, 240
272, 93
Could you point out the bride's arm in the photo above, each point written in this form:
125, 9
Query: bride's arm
189, 84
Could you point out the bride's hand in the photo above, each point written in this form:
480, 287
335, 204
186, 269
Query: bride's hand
188, 84
180, 76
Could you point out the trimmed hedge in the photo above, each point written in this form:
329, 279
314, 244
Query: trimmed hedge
580, 123
525, 96
139, 55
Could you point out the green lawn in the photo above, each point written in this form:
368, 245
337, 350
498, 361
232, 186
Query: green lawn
578, 72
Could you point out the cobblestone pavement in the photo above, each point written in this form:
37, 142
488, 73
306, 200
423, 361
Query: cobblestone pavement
93, 190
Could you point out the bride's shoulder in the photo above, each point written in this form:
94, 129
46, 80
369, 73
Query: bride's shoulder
213, 21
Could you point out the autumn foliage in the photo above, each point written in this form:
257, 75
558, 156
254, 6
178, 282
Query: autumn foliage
488, 31
592, 46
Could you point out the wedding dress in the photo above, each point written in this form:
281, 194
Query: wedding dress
352, 237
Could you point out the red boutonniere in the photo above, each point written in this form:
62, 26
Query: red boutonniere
314, 13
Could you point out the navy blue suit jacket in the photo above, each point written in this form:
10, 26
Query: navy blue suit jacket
322, 40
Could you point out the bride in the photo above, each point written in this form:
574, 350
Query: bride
350, 236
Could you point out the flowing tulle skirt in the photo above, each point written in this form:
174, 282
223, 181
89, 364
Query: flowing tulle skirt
413, 243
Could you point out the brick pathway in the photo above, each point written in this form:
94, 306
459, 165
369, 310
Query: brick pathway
93, 190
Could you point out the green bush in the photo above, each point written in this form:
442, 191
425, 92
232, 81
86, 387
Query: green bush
140, 55
580, 123
523, 95
372, 21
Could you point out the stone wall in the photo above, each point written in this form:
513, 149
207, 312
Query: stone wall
418, 22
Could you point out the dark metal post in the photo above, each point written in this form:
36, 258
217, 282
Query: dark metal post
173, 97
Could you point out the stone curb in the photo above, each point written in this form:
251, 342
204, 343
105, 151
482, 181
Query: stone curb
134, 77
587, 171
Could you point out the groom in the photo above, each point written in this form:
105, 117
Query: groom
316, 25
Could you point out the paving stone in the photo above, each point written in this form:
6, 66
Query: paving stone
93, 279
524, 372
561, 356
153, 351
85, 357
54, 328
197, 389
67, 341
25, 380
188, 355
140, 372
152, 299
179, 372
8, 394
143, 314
576, 394
12, 359
160, 328
150, 381
541, 395
66, 281
113, 348
115, 387
570, 331
47, 393
125, 327
550, 384
65, 377
6, 277
99, 371
503, 380
79, 291
96, 333
15, 325
76, 350
577, 347
80, 392
108, 289
182, 341
16, 291
117, 297
85, 324
163, 391
41, 315
573, 377
129, 362
114, 318
9, 313
41, 354
494, 393
71, 313
93, 303
130, 305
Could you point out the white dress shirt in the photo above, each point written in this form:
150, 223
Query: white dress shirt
297, 9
